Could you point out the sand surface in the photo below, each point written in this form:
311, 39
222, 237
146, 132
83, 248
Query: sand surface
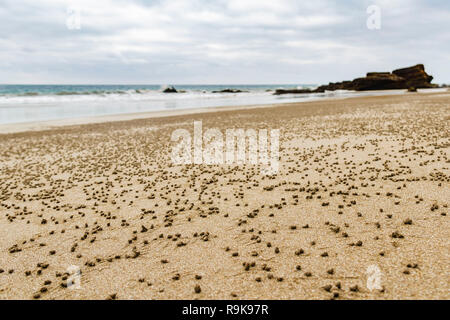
363, 183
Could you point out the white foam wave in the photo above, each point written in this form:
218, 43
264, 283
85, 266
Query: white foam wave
130, 95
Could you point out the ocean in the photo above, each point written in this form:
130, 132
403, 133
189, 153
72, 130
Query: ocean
31, 103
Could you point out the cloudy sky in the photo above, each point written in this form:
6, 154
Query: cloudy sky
218, 41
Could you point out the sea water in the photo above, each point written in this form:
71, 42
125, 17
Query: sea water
30, 103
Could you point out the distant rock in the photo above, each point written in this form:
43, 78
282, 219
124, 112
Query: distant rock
296, 91
228, 91
378, 81
405, 78
415, 76
170, 90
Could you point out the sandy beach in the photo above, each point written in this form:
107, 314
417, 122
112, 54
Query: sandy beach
361, 194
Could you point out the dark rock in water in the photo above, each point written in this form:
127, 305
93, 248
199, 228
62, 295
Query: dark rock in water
170, 90
286, 91
332, 86
411, 77
229, 91
412, 89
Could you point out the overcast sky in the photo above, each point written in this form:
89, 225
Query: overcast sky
218, 41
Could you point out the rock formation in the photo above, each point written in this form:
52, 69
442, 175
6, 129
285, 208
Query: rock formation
285, 91
170, 90
378, 81
406, 78
228, 91
415, 76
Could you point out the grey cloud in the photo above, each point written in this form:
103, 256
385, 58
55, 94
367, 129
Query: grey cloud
194, 41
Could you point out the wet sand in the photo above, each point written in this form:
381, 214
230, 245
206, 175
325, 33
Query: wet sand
363, 183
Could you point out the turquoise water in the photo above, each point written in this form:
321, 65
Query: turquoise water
34, 90
31, 103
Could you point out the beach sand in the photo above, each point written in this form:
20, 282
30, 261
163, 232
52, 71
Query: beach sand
363, 185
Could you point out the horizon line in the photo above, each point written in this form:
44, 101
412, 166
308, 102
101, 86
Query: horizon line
152, 84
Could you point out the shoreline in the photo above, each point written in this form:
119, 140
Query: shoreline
11, 128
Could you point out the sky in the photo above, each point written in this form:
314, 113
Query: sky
218, 41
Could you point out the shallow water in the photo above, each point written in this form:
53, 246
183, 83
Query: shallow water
30, 103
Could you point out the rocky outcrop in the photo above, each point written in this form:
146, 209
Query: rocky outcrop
229, 91
285, 91
406, 78
415, 76
170, 90
378, 81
